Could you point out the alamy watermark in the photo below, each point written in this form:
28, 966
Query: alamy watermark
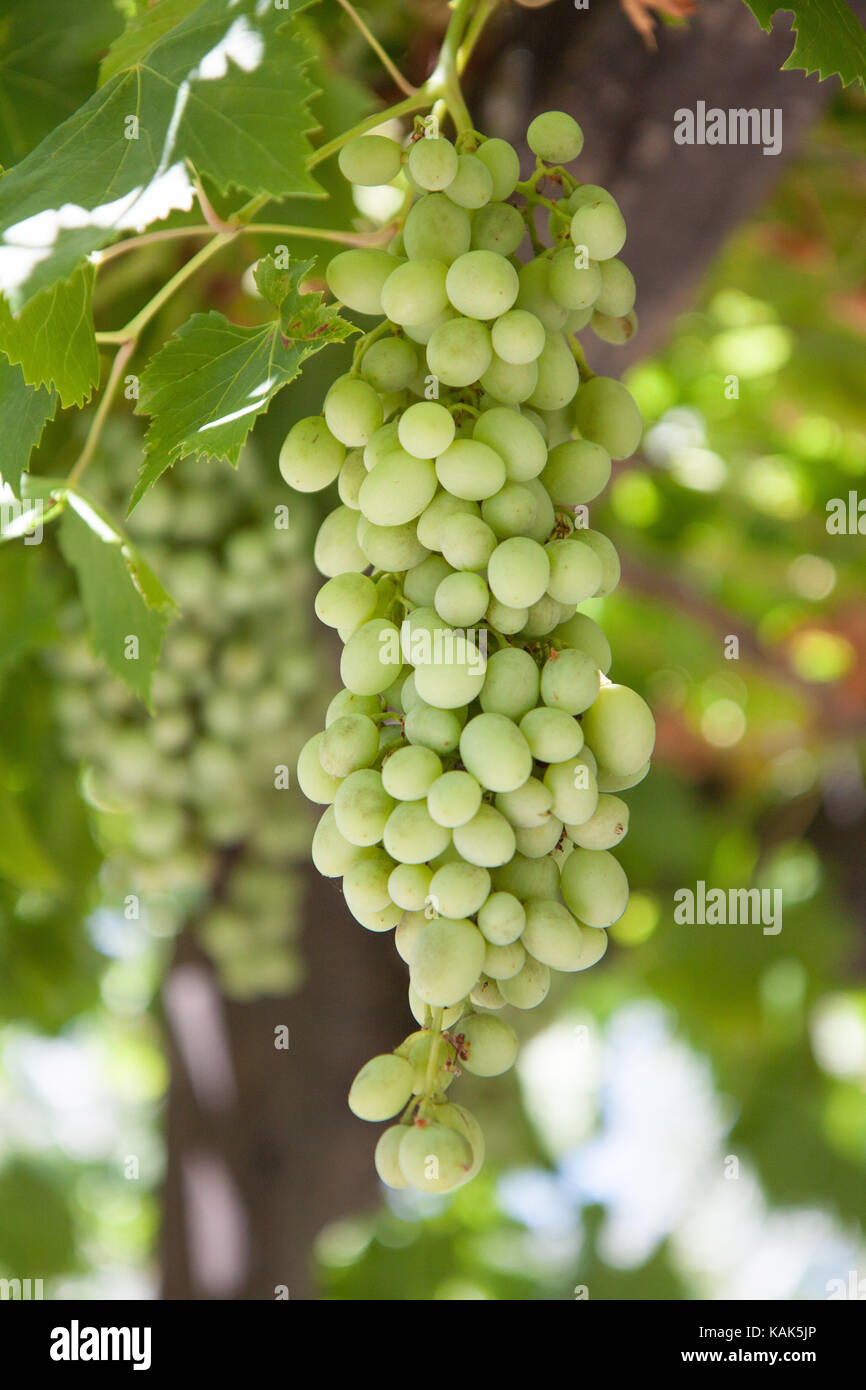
736, 126
442, 647
717, 907
21, 519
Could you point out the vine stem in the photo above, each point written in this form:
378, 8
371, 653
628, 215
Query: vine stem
376, 238
433, 1059
120, 360
391, 68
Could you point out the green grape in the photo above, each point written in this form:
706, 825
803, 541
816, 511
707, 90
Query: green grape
600, 227
498, 227
504, 962
511, 684
589, 193
515, 439
605, 828
552, 935
571, 285
575, 571
482, 285
397, 489
333, 854
351, 476
436, 229
487, 839
316, 784
470, 469
539, 840
362, 807
574, 788
381, 1088
387, 1157
487, 1045
576, 472
390, 548
545, 517
438, 729
384, 442
467, 542
607, 554
459, 1118
413, 920
433, 163
529, 988
434, 1158
369, 160
595, 887
518, 337
459, 351
370, 659
415, 292
620, 729
347, 599
462, 599
518, 572
311, 457
610, 782
535, 297
390, 364
555, 137
504, 164
408, 773
409, 886
426, 429
493, 749
487, 995
345, 702
504, 619
419, 1056
509, 384
336, 550
594, 947
365, 885
502, 919
458, 889
527, 878
472, 185
351, 742
454, 676
581, 632
558, 377
454, 798
422, 581
614, 330
353, 411
446, 961
431, 520
606, 412
411, 836
617, 293
420, 1010
527, 807
356, 278
578, 319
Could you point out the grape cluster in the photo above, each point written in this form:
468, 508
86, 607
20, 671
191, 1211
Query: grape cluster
186, 799
472, 765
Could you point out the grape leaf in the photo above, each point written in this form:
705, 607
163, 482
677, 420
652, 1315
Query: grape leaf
24, 412
830, 39
53, 339
141, 33
127, 608
206, 387
225, 89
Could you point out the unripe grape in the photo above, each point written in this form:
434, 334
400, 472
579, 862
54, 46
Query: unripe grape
433, 163
528, 878
436, 228
431, 520
311, 457
390, 364
462, 599
575, 571
350, 743
454, 798
504, 962
620, 729
426, 429
545, 517
617, 293
415, 292
569, 681
371, 659
536, 841
575, 790
553, 735
495, 752
383, 442
511, 684
422, 581
594, 947
411, 836
507, 383
365, 885
614, 330
518, 572
435, 1158
333, 855
487, 839
356, 278
595, 887
498, 227
459, 351
487, 1045
381, 1088
362, 807
446, 961
387, 1157
454, 676
413, 920
391, 548
610, 782
336, 550
420, 1010
555, 137
369, 160
351, 476
482, 284
534, 294
501, 919
518, 336
528, 807
558, 376
315, 783
571, 285
502, 160
606, 412
607, 554
515, 439
581, 632
600, 227
552, 935
605, 828
576, 472
588, 193
467, 542
345, 702
472, 185
408, 886
504, 619
470, 469
397, 489
487, 995
408, 773
529, 988
438, 729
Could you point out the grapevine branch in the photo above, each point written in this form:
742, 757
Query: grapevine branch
390, 67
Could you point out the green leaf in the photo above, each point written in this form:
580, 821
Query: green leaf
830, 39
53, 339
207, 386
225, 89
127, 608
22, 859
141, 33
24, 412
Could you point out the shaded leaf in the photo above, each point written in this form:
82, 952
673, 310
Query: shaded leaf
22, 859
830, 39
53, 339
24, 412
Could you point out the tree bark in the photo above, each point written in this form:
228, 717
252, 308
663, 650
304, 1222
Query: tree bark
262, 1150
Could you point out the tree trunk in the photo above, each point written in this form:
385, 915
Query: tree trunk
262, 1150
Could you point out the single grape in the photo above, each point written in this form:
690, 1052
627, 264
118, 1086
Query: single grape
433, 163
415, 292
507, 383
572, 285
518, 336
595, 887
518, 572
574, 788
504, 962
486, 1044
555, 137
545, 517
607, 554
503, 162
446, 961
504, 619
528, 807
390, 364
528, 878
454, 798
467, 542
620, 729
553, 735
606, 411
391, 548
588, 193
472, 185
434, 1158
356, 278
576, 472
459, 351
426, 429
511, 684
614, 330
498, 227
437, 229
482, 284
408, 886
462, 599
529, 988
486, 994
371, 658
362, 807
438, 729
383, 442
398, 489
575, 571
600, 227
458, 889
605, 828
516, 439
348, 598
493, 749
610, 782
311, 457
617, 293
387, 1157
408, 773
333, 855
345, 702
315, 783
422, 581
370, 160
581, 632
351, 476
558, 377
381, 1088
336, 550
534, 294
539, 840
431, 520
470, 469
552, 935
348, 744
487, 839
365, 884
412, 922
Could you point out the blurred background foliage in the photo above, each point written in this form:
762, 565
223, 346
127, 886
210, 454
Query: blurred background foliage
688, 1121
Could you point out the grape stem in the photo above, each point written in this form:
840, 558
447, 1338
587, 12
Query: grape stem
391, 68
433, 1059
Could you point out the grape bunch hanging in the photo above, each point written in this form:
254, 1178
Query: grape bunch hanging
472, 765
